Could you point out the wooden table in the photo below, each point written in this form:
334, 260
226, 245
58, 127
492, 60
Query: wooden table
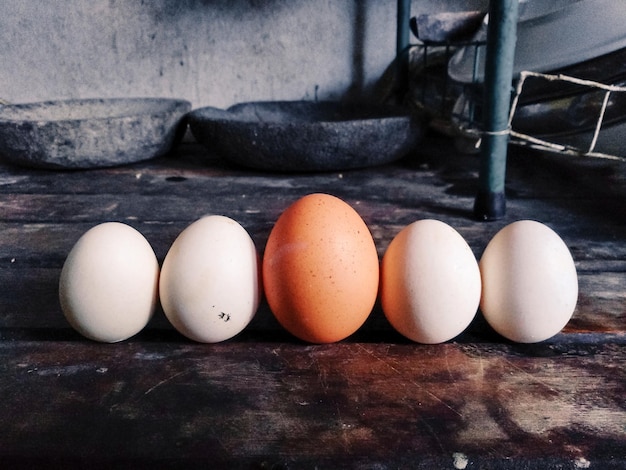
266, 400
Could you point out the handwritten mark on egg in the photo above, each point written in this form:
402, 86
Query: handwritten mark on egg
224, 316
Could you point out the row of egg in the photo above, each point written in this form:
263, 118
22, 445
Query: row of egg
321, 277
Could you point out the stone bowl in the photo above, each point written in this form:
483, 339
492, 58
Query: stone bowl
90, 133
303, 136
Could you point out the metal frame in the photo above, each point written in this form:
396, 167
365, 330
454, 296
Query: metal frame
490, 202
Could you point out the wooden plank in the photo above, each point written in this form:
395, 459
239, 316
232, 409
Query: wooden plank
29, 299
43, 213
251, 405
47, 243
266, 400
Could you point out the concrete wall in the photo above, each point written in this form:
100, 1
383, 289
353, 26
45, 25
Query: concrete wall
211, 52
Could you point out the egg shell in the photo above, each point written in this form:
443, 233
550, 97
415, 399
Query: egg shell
530, 285
210, 283
108, 288
430, 282
320, 269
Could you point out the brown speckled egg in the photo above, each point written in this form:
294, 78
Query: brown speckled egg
320, 269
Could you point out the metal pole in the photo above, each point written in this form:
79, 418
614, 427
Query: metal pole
490, 203
402, 45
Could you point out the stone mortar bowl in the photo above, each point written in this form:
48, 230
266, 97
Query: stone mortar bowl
90, 133
303, 136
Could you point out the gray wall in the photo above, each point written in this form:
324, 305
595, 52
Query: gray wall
211, 52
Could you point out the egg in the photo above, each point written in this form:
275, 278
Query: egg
320, 269
430, 282
210, 285
108, 288
530, 286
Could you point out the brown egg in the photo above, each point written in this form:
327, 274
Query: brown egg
320, 269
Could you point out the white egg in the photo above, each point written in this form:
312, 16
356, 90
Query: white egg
210, 282
530, 286
108, 287
430, 282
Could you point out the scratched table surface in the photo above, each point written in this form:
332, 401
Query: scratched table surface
266, 400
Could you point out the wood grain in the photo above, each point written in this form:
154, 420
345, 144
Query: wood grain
290, 405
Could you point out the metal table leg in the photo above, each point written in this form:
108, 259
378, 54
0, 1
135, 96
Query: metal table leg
490, 203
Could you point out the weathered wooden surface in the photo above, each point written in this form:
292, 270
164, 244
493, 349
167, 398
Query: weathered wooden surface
287, 405
266, 400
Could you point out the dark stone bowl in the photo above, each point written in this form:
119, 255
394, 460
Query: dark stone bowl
90, 133
296, 136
